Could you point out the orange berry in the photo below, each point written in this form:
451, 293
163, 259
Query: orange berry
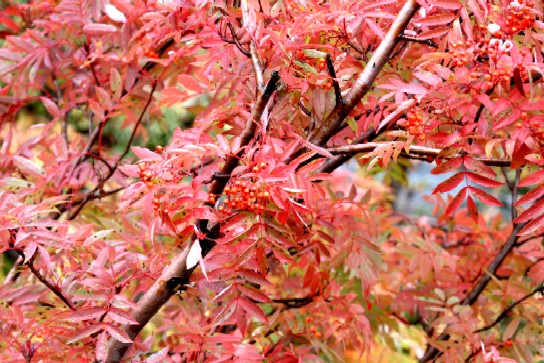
313, 329
309, 319
518, 125
524, 115
318, 334
159, 149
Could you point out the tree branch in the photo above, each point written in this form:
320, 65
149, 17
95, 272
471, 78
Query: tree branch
510, 307
337, 92
412, 150
364, 82
177, 274
433, 352
428, 42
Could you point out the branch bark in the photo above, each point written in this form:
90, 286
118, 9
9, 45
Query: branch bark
161, 291
412, 150
364, 82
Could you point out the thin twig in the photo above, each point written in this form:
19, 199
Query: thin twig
112, 170
432, 352
257, 66
234, 40
428, 42
510, 307
54, 289
337, 92
14, 272
413, 149
367, 77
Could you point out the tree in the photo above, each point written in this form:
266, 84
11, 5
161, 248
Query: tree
241, 239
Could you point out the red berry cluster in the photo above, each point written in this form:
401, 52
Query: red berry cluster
313, 329
462, 53
150, 53
317, 63
414, 124
157, 206
146, 174
523, 119
518, 17
243, 196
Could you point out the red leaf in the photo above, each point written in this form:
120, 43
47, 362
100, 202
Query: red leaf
472, 209
253, 293
478, 167
483, 181
532, 212
448, 166
518, 158
532, 226
252, 309
449, 184
253, 277
456, 202
532, 179
531, 195
485, 197
85, 333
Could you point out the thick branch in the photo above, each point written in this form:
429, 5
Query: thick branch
323, 132
161, 291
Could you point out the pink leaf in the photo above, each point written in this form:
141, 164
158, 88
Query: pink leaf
117, 333
85, 333
441, 19
121, 317
99, 28
51, 107
85, 314
252, 309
